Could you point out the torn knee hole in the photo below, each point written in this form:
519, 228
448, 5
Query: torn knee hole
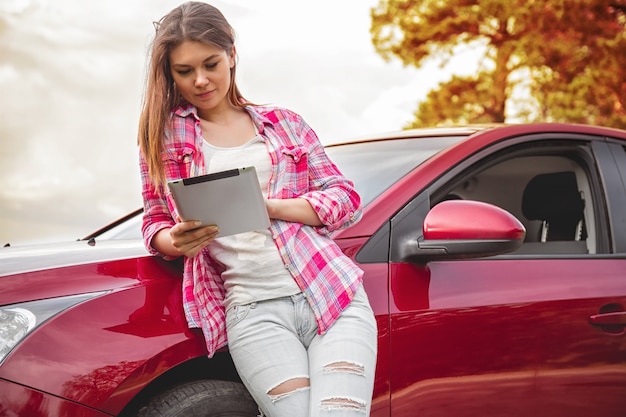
343, 404
349, 367
289, 386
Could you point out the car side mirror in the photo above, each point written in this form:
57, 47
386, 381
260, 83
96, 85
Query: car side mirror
459, 229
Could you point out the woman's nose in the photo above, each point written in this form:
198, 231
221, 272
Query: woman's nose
201, 80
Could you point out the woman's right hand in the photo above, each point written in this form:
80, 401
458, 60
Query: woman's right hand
189, 238
184, 238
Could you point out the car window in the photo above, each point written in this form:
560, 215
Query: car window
375, 166
548, 190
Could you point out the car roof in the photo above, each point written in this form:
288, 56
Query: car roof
426, 132
469, 130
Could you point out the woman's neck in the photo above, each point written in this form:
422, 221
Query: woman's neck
220, 115
228, 129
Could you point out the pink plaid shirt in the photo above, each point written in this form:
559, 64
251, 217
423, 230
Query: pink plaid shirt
301, 168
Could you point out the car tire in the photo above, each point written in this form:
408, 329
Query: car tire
205, 398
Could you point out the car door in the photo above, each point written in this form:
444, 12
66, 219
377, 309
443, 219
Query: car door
514, 335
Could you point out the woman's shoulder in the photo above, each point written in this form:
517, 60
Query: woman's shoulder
275, 114
182, 125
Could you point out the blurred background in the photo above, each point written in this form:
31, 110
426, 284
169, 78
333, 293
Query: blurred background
72, 73
71, 81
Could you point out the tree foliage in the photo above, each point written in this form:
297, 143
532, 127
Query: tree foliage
566, 57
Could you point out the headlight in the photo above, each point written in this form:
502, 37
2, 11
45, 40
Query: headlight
18, 320
15, 324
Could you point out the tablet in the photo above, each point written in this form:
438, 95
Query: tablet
230, 199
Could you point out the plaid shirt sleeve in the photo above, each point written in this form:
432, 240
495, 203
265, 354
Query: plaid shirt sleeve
331, 195
307, 172
156, 213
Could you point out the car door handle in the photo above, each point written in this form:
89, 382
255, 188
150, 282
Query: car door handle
609, 319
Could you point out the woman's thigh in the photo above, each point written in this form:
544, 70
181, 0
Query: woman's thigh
267, 351
343, 363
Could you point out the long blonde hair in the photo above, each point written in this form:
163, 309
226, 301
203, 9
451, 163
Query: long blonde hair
191, 21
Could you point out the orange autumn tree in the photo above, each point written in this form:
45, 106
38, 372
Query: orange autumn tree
556, 61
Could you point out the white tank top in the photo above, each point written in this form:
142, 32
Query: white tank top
253, 268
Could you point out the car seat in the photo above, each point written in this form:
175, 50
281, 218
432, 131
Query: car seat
555, 200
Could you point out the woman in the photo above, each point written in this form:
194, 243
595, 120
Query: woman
288, 302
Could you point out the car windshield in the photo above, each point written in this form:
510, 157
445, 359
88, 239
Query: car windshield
128, 227
375, 166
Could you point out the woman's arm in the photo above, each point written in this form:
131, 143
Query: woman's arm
293, 210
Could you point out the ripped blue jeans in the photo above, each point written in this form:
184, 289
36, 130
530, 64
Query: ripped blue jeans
291, 371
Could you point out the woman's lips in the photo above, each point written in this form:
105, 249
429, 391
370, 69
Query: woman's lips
205, 94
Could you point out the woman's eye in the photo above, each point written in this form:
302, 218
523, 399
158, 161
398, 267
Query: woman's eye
211, 66
183, 72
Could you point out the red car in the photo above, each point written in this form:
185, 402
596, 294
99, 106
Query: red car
494, 258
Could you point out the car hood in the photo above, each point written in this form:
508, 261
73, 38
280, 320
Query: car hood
30, 258
37, 272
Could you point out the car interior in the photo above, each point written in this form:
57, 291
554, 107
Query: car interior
550, 194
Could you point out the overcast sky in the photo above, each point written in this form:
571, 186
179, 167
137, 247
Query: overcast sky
71, 80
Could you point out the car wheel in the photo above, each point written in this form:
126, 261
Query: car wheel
206, 398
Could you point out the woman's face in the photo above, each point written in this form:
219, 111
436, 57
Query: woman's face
201, 73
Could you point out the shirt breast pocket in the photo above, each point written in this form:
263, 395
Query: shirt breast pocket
295, 171
177, 162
